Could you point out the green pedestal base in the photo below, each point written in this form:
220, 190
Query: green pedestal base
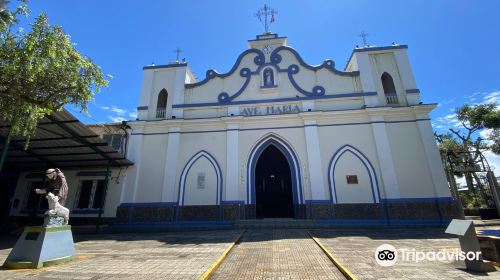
41, 246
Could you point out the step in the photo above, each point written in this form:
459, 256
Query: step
276, 223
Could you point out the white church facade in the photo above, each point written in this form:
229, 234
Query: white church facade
278, 138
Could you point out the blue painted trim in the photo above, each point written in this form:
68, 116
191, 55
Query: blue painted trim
273, 86
382, 222
232, 202
164, 66
276, 100
224, 97
325, 201
142, 108
293, 162
131, 204
328, 64
316, 90
176, 223
317, 111
92, 173
259, 60
211, 74
353, 222
417, 199
185, 172
369, 168
275, 128
372, 49
410, 91
264, 37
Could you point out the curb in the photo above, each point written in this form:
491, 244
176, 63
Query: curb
216, 264
342, 269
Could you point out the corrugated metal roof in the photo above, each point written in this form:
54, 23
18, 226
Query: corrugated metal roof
61, 141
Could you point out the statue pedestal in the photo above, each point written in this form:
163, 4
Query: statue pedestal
42, 246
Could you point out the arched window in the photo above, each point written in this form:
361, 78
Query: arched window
161, 106
389, 89
268, 78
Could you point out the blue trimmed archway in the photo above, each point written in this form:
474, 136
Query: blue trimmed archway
366, 163
290, 156
187, 167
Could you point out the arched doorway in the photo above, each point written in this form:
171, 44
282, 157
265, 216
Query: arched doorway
273, 185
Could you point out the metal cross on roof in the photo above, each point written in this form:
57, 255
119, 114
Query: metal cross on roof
177, 51
363, 35
266, 16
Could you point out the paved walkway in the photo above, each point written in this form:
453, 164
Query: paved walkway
355, 249
279, 254
180, 255
274, 254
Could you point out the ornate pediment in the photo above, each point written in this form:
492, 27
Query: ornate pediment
274, 64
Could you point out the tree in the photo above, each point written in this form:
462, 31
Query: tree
41, 71
464, 146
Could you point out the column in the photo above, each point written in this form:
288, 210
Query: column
132, 178
170, 171
232, 162
385, 159
433, 158
314, 161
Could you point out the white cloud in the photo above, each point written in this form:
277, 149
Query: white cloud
493, 160
118, 111
116, 119
493, 97
119, 114
485, 133
448, 121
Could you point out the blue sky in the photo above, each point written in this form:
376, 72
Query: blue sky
454, 46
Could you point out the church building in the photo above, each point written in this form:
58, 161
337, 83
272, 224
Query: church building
276, 137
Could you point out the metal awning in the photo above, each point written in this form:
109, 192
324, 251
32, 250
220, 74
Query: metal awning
61, 141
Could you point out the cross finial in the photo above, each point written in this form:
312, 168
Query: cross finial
266, 16
177, 51
363, 35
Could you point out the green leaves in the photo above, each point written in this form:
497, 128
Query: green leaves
480, 116
40, 72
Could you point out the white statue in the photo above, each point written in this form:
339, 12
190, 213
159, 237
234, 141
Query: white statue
55, 208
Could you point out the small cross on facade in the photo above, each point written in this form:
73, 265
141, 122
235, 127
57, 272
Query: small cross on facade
363, 35
177, 51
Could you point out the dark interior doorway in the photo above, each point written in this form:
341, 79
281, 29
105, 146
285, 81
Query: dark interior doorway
273, 185
8, 182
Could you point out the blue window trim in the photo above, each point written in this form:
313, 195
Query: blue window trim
411, 91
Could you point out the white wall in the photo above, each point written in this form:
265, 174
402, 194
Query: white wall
193, 195
112, 197
349, 164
